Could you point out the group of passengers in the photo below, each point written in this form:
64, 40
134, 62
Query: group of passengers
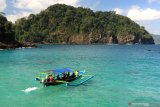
67, 75
64, 76
49, 78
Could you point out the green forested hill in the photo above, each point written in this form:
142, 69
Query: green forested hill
6, 31
65, 24
7, 35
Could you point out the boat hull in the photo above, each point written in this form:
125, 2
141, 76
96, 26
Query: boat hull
61, 81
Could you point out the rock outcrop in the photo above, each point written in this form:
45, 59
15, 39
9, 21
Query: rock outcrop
15, 44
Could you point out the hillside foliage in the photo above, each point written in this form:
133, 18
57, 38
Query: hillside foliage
60, 23
7, 34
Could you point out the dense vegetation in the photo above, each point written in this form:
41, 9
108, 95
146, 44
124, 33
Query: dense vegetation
7, 35
66, 24
6, 30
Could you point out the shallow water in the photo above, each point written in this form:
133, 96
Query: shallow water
125, 76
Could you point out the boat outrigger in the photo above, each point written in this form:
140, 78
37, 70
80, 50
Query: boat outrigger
62, 76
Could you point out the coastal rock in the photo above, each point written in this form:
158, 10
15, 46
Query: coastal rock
29, 44
109, 40
15, 45
127, 39
94, 39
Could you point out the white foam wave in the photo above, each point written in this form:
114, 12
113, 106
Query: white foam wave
27, 90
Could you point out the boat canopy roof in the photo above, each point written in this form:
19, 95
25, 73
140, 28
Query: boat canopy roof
62, 70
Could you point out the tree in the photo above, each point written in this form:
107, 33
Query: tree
58, 23
6, 31
2, 13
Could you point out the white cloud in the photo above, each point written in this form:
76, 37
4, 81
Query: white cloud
15, 16
147, 17
93, 5
150, 26
136, 13
118, 10
38, 5
2, 5
35, 6
151, 1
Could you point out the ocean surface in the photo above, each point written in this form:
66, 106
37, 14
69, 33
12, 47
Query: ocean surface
125, 76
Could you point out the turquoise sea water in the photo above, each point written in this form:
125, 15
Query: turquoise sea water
125, 76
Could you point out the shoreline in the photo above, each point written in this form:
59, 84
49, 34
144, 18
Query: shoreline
35, 45
4, 46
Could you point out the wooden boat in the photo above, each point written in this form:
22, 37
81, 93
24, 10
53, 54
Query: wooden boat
60, 76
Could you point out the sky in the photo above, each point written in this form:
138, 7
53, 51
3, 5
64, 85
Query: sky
144, 12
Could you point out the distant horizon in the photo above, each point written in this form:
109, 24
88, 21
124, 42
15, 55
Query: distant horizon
144, 12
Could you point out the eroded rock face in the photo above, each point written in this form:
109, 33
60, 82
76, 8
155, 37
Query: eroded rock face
92, 39
76, 40
109, 40
127, 39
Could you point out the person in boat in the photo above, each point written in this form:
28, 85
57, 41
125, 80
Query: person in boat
76, 73
58, 78
68, 75
64, 76
47, 78
73, 75
51, 79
